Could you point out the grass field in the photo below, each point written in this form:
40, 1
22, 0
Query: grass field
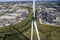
24, 29
48, 32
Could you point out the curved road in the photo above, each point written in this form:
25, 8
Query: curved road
17, 27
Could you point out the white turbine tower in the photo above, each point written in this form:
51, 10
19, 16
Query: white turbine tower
34, 24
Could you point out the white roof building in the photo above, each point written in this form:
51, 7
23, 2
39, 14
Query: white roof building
7, 17
22, 10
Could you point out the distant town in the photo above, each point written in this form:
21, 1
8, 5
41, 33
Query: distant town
48, 13
11, 12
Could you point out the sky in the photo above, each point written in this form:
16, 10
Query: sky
29, 0
47, 0
15, 0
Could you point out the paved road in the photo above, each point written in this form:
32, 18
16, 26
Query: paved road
35, 25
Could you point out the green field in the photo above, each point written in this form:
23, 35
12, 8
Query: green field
25, 29
48, 32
